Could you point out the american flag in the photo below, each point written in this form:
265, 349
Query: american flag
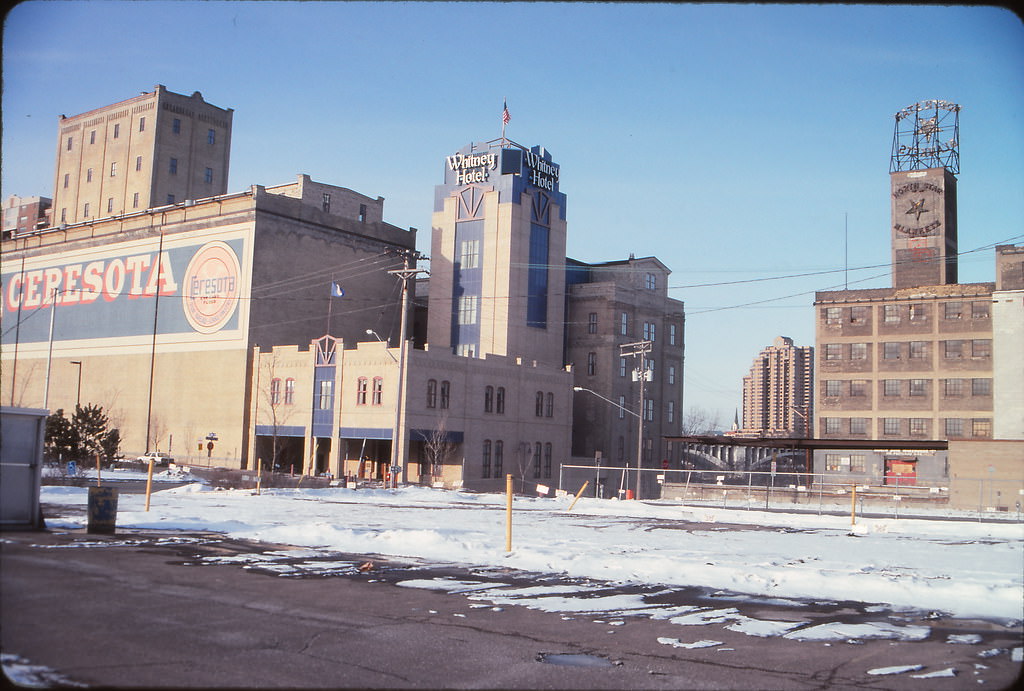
505, 117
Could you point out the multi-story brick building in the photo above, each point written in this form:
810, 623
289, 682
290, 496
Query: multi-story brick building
155, 149
778, 394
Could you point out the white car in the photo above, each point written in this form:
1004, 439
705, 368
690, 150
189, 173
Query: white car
158, 458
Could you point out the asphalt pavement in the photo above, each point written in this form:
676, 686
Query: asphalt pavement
171, 609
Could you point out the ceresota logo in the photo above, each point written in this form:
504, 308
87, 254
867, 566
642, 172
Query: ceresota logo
211, 285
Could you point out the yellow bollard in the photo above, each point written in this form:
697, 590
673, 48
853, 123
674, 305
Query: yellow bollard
508, 513
853, 506
578, 494
149, 482
259, 474
97, 470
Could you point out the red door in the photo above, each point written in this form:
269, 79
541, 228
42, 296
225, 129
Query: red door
901, 471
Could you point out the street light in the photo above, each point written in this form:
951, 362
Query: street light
625, 410
78, 398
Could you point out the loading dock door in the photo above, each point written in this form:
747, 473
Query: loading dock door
901, 470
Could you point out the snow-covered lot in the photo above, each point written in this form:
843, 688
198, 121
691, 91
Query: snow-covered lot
963, 568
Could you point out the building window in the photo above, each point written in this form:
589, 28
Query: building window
88, 175
325, 203
954, 427
623, 324
138, 163
538, 450
891, 387
289, 391
890, 314
891, 351
467, 309
142, 124
446, 394
117, 131
489, 399
275, 391
208, 176
113, 169
954, 349
431, 393
833, 387
547, 460
378, 390
833, 351
671, 374
918, 426
326, 395
135, 200
85, 210
538, 407
917, 313
361, 388
499, 401
858, 425
486, 455
649, 331
211, 137
172, 167
953, 310
857, 462
918, 350
549, 405
858, 351
591, 363
622, 367
499, 457
176, 126
858, 315
469, 255
980, 310
833, 316
672, 334
110, 205
170, 198
833, 462
981, 427
981, 387
649, 409
890, 425
953, 388
69, 143
833, 425
651, 282
67, 178
362, 213
592, 323
981, 347
859, 387
918, 387
622, 407
670, 411
64, 215
92, 136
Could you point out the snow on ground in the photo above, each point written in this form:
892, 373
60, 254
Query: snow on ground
965, 568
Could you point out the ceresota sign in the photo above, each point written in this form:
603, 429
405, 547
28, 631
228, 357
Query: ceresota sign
211, 285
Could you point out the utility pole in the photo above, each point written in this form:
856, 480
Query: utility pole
398, 436
639, 350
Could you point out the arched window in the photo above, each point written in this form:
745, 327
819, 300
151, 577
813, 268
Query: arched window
431, 393
378, 390
499, 457
487, 458
538, 448
289, 391
549, 405
489, 399
446, 390
499, 402
361, 387
547, 460
275, 391
538, 408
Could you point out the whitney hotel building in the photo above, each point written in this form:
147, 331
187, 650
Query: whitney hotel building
269, 321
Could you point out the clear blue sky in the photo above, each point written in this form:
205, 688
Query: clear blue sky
733, 142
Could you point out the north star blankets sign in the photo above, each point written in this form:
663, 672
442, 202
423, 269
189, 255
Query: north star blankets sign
115, 294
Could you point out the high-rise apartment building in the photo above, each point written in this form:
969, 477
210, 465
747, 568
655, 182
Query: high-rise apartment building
156, 149
23, 214
778, 399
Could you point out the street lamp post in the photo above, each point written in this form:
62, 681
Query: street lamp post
624, 409
78, 397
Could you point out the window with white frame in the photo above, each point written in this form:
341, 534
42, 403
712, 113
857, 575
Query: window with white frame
592, 323
378, 390
467, 309
858, 351
469, 254
289, 391
326, 394
623, 324
890, 425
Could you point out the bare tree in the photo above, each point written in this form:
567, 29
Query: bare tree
698, 420
438, 447
273, 405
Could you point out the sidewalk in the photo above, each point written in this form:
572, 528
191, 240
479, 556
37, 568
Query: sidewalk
135, 610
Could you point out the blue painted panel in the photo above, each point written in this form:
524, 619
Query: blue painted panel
282, 430
364, 433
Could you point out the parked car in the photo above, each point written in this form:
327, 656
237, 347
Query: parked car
158, 458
